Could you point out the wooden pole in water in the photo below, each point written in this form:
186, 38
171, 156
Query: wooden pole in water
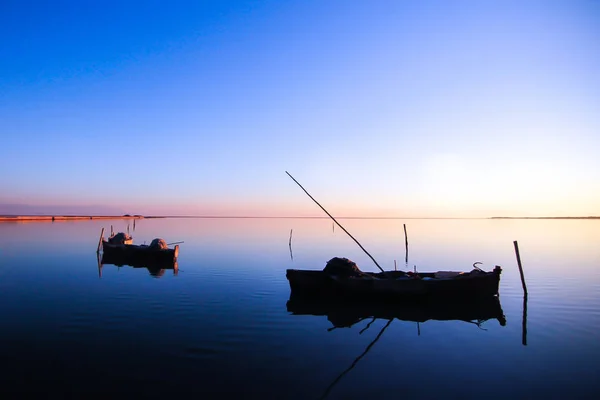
290, 245
405, 245
100, 241
330, 216
520, 266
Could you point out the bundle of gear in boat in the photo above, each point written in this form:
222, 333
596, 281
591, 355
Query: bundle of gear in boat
124, 238
344, 268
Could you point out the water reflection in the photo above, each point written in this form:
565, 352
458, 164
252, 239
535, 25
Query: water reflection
356, 360
344, 314
155, 269
524, 324
65, 329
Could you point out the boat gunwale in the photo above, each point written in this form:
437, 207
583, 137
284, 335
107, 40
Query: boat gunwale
476, 283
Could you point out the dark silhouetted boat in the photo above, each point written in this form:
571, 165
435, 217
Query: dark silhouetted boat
342, 278
156, 254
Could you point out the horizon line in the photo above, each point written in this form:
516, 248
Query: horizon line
139, 216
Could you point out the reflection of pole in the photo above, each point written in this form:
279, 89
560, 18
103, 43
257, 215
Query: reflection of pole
99, 264
524, 320
356, 360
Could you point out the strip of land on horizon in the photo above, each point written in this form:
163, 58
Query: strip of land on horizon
25, 218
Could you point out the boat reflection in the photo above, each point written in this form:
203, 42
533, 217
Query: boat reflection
345, 314
155, 269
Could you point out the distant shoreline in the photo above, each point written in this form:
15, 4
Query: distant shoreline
32, 218
26, 218
545, 218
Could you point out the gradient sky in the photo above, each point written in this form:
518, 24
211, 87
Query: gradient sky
378, 108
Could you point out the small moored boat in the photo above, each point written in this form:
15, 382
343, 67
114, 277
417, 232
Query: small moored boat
157, 253
342, 278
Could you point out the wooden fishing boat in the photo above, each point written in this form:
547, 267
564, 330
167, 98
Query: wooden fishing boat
342, 278
152, 255
343, 312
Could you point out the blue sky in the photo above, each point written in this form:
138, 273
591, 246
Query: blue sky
383, 108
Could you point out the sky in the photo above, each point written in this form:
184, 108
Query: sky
378, 108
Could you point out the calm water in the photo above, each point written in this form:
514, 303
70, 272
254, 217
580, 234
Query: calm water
220, 325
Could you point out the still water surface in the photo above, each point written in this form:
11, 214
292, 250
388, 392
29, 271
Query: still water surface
219, 325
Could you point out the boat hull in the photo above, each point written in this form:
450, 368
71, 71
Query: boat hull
394, 284
138, 255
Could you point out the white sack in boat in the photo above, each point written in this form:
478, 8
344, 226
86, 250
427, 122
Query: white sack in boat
158, 244
119, 238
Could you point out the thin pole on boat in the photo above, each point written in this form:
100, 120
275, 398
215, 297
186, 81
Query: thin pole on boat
330, 216
520, 267
100, 241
